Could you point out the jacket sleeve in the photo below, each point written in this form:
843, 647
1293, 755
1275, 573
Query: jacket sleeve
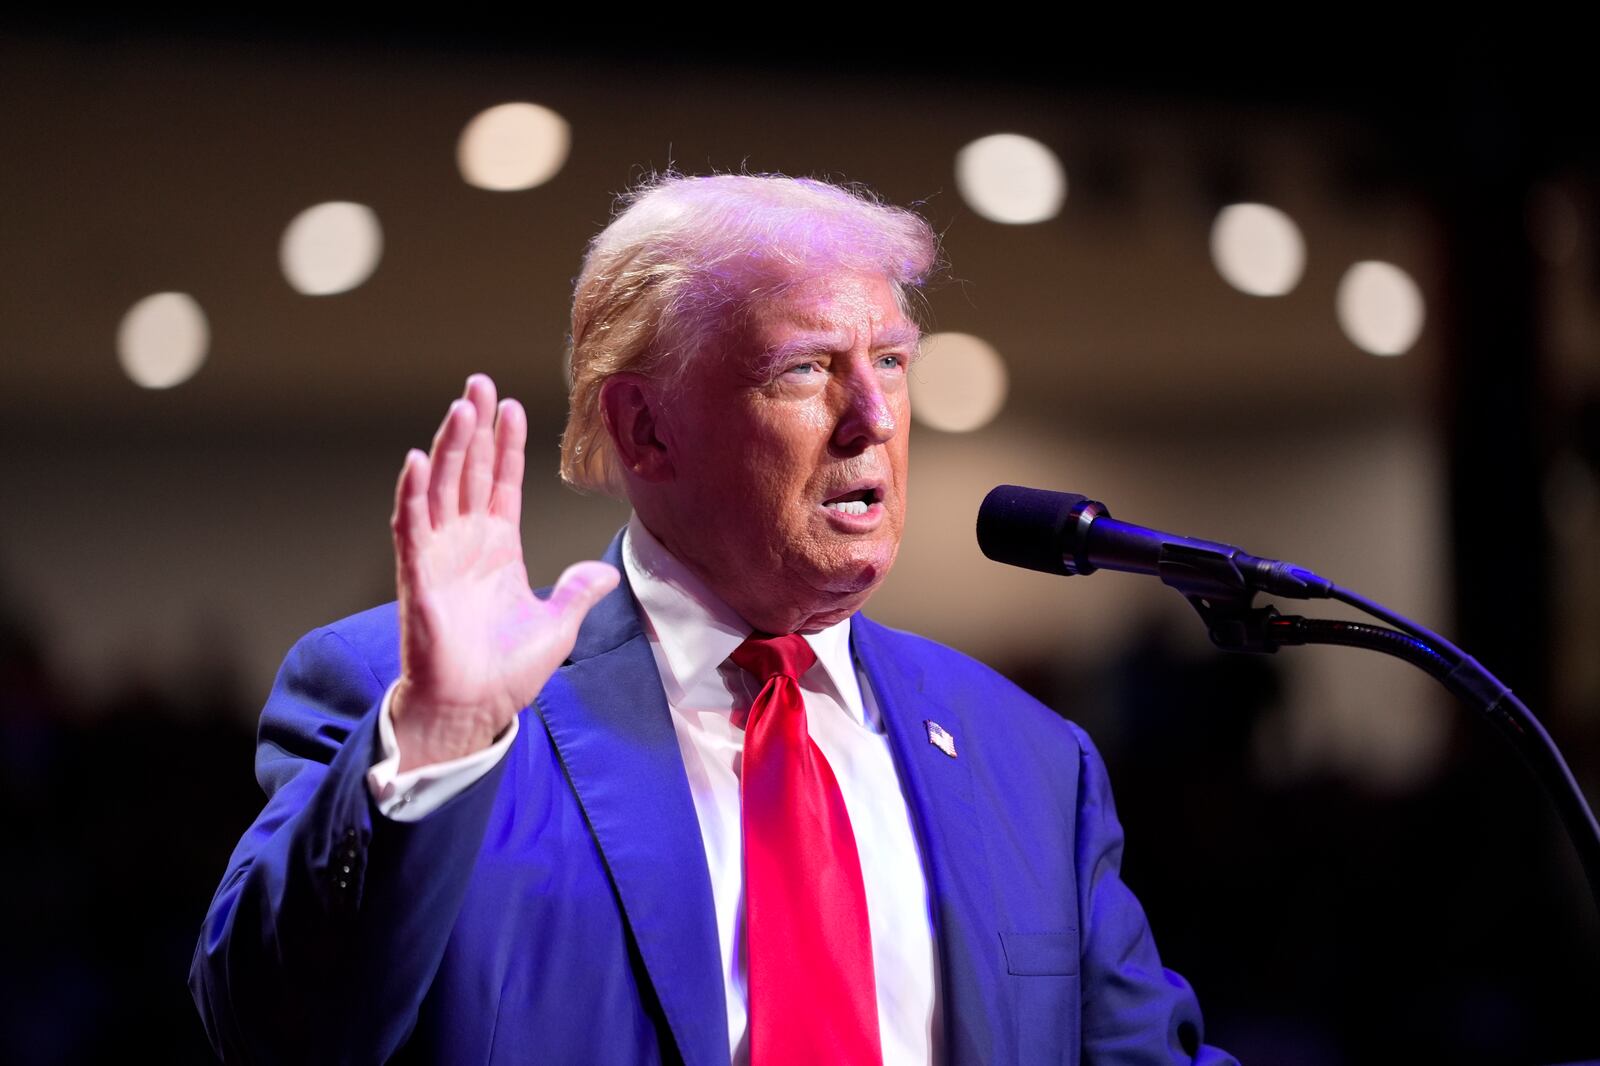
331, 920
1134, 1010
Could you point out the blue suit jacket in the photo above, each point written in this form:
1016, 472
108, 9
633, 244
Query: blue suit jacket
559, 909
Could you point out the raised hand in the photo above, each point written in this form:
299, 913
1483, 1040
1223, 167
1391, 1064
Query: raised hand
476, 645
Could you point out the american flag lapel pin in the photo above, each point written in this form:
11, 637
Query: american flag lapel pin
940, 737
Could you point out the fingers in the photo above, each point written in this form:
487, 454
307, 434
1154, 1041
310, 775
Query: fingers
411, 523
510, 442
478, 476
580, 587
477, 457
449, 456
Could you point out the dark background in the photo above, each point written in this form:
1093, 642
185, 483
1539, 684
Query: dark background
1347, 866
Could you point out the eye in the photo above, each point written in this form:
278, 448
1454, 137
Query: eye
804, 369
891, 362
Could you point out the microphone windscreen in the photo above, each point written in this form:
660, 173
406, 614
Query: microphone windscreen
1028, 527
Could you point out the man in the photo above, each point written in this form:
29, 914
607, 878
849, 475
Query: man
700, 809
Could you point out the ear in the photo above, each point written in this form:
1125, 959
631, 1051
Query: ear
631, 405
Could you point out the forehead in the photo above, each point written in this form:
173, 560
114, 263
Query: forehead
850, 309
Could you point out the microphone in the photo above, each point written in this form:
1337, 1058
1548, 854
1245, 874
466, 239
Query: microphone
1064, 533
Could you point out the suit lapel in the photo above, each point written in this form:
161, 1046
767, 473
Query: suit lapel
948, 822
607, 715
609, 720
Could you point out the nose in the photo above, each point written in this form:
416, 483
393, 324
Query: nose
868, 413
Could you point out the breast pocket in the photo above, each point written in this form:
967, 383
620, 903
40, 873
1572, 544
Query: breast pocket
1044, 991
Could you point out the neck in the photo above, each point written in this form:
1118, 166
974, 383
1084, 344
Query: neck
774, 606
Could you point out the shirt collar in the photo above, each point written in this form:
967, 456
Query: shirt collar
697, 631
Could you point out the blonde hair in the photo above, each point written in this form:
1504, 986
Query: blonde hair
686, 255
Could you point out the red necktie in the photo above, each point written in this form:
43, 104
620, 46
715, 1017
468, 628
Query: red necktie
812, 995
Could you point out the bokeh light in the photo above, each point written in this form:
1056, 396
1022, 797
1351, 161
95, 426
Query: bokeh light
1257, 249
1009, 178
331, 248
959, 383
513, 146
163, 340
1380, 308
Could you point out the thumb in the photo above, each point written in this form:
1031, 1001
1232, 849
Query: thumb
580, 587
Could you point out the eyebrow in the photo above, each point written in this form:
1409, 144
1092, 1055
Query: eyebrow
833, 341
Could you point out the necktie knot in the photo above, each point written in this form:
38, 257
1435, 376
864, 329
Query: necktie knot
768, 657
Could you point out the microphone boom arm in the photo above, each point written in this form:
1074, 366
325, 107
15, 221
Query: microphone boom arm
1064, 533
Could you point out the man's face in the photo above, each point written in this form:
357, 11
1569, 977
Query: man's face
789, 453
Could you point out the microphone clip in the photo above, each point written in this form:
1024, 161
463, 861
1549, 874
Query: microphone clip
1211, 581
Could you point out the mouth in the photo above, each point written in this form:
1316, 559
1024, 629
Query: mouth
858, 500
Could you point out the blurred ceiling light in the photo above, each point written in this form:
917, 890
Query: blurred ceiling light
1006, 177
1257, 249
959, 383
1380, 308
331, 248
163, 340
513, 146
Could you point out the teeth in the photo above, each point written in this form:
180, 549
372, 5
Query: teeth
849, 506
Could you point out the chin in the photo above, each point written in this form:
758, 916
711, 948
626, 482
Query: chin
859, 576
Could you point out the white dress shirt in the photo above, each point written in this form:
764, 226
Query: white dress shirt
692, 633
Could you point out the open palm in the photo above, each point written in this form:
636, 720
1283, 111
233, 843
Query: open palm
476, 644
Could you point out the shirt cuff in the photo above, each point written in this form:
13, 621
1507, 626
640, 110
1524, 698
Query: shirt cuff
421, 790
